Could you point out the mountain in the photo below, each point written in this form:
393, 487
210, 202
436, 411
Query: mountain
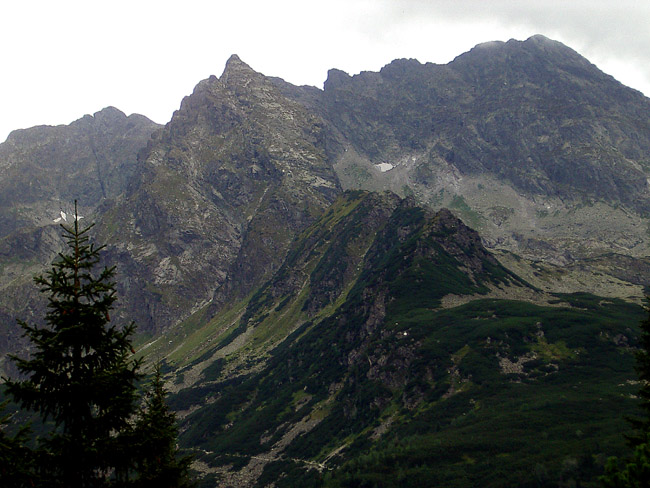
339, 369
222, 190
527, 141
42, 171
294, 256
530, 143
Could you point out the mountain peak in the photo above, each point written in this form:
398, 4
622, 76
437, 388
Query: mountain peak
400, 67
488, 45
336, 77
235, 68
544, 44
108, 115
235, 74
110, 111
233, 61
111, 117
537, 43
539, 38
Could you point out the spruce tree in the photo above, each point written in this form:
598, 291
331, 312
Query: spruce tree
642, 425
81, 373
635, 471
159, 463
16, 459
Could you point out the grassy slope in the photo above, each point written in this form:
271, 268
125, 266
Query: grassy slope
392, 390
535, 428
556, 420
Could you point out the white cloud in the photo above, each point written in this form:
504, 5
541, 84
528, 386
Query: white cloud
67, 58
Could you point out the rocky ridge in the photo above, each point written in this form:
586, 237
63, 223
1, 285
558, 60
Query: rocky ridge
339, 352
223, 189
527, 141
42, 171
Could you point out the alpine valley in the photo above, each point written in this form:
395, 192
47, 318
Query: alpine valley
432, 275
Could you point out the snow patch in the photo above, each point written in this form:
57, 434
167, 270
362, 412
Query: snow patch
383, 167
64, 217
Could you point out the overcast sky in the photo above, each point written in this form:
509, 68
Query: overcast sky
63, 59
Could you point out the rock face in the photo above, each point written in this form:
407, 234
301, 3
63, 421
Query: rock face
533, 113
527, 141
44, 169
522, 139
348, 349
222, 190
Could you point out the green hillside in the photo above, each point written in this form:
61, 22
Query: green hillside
353, 374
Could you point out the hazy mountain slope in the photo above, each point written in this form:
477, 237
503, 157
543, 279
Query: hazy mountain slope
42, 171
534, 113
350, 365
530, 143
526, 141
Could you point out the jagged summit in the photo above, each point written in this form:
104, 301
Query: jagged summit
537, 45
234, 75
108, 117
237, 72
88, 160
540, 38
109, 112
487, 45
514, 136
537, 39
234, 62
335, 77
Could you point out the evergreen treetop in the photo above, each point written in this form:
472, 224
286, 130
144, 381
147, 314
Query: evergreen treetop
16, 459
635, 471
81, 373
159, 465
642, 425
